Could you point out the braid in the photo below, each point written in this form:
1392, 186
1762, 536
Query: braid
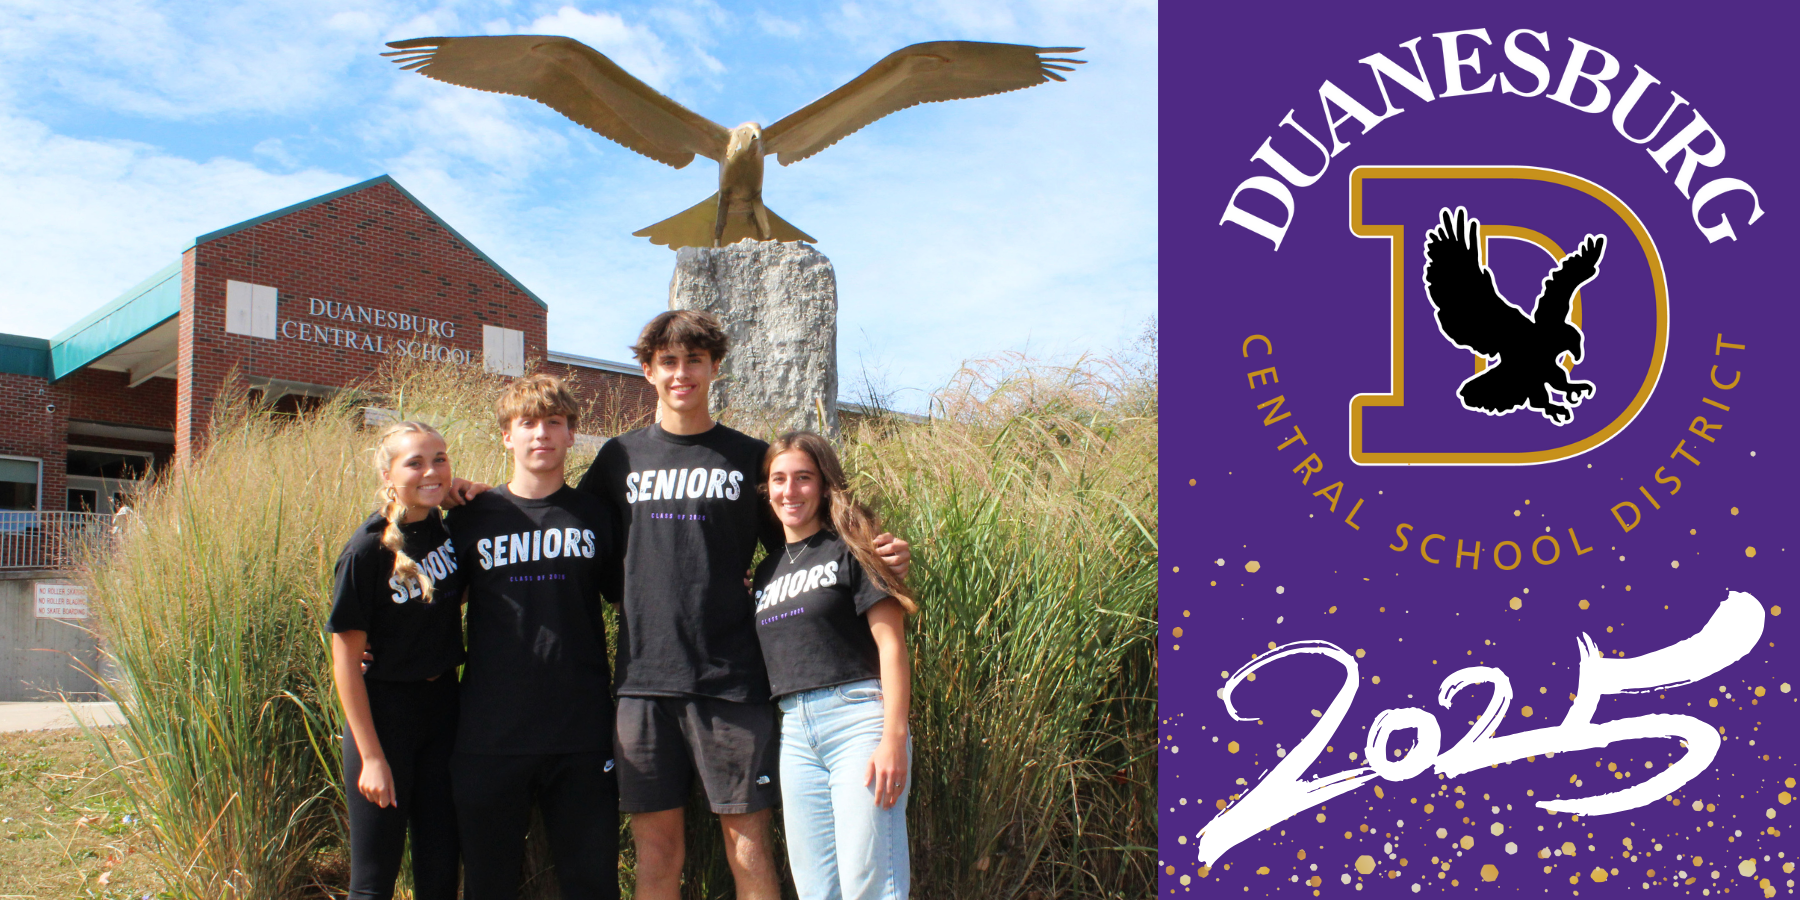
394, 511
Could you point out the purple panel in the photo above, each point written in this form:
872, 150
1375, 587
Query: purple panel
1260, 552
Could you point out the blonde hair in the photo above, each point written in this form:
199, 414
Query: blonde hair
393, 510
536, 397
842, 513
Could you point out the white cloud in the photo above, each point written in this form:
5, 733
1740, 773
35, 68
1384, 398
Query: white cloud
103, 215
636, 48
138, 57
779, 27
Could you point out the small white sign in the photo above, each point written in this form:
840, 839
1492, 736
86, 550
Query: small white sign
56, 600
503, 350
250, 309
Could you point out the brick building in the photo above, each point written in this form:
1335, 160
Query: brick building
299, 302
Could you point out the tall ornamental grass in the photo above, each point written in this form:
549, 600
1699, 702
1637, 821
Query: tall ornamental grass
1029, 498
212, 608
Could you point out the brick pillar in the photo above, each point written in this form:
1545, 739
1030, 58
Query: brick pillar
196, 380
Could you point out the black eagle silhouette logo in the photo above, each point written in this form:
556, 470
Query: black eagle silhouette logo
1524, 352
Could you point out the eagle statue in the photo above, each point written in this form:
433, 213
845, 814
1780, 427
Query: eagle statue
582, 84
1524, 352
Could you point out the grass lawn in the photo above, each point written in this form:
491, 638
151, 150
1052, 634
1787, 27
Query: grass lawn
64, 831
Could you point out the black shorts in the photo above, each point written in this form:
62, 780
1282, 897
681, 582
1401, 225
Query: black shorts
661, 741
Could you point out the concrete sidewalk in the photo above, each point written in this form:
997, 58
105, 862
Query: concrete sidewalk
55, 714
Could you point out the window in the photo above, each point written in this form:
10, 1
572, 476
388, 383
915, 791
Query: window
127, 465
19, 480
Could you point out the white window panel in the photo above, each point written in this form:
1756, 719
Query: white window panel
250, 309
262, 311
503, 350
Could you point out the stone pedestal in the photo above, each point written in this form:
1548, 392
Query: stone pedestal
778, 302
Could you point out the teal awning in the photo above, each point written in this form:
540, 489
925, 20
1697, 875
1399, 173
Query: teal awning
21, 355
152, 302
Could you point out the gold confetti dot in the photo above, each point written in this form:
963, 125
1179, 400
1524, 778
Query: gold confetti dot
1515, 603
1785, 797
1583, 604
1526, 712
1365, 864
1734, 510
1300, 855
1262, 870
1379, 794
1232, 747
1497, 829
1750, 552
1568, 849
1376, 679
1467, 842
1321, 817
1490, 872
1774, 610
1712, 701
1759, 690
1253, 566
1599, 874
1747, 868
1428, 811
1177, 568
1177, 631
1192, 482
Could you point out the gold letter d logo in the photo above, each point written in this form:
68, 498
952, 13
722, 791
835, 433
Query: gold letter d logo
1557, 264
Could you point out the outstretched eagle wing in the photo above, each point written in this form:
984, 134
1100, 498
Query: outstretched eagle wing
923, 73
1560, 285
575, 80
1470, 310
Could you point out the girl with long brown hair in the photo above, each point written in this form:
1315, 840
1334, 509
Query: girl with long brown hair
831, 618
397, 589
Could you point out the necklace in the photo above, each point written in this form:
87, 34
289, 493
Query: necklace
791, 556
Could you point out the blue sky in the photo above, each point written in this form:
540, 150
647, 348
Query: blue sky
1023, 222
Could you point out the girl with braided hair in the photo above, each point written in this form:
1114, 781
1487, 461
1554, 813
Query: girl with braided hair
397, 588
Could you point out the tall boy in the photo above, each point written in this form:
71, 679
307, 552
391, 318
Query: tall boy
693, 691
537, 715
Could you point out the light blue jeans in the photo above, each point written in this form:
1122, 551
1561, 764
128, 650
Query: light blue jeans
841, 846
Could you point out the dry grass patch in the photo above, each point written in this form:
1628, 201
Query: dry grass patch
64, 830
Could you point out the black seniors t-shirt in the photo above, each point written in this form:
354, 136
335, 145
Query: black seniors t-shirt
691, 516
537, 678
412, 639
811, 601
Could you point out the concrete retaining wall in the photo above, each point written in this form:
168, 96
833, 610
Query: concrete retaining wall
38, 657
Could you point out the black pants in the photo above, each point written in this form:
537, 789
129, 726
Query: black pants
416, 722
580, 802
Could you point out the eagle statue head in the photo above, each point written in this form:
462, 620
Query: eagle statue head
746, 138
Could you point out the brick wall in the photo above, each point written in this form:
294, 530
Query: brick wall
27, 428
612, 402
372, 249
96, 395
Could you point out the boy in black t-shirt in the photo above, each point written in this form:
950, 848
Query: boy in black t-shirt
537, 715
693, 689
